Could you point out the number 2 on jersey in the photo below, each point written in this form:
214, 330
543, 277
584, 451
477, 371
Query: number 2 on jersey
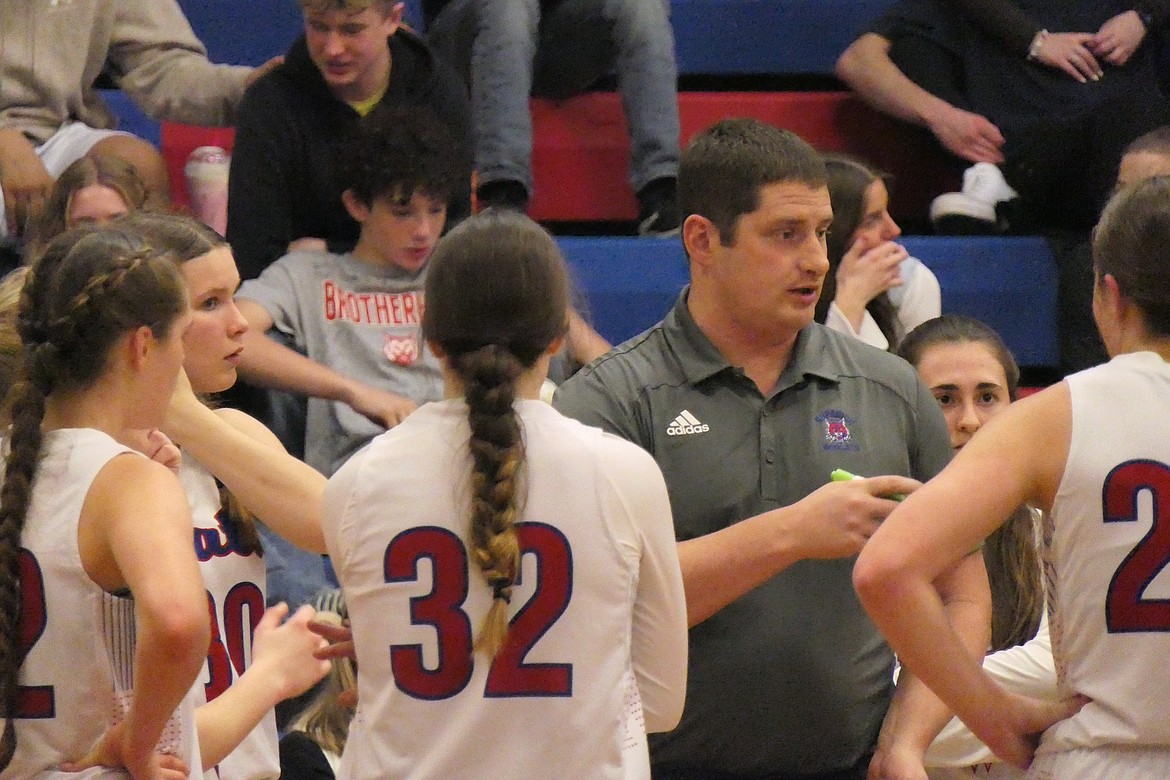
32, 701
442, 609
1125, 608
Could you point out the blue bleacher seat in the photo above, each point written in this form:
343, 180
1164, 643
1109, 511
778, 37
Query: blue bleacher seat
239, 33
130, 117
766, 36
1009, 283
244, 33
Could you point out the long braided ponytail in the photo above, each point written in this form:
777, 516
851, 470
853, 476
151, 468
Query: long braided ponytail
496, 298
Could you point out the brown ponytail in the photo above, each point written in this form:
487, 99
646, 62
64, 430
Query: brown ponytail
496, 298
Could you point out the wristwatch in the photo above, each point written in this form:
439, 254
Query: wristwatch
1146, 17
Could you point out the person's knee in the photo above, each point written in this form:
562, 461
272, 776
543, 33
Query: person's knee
637, 18
145, 158
508, 20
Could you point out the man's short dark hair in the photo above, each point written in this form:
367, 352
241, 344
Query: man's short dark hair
723, 168
398, 152
1157, 141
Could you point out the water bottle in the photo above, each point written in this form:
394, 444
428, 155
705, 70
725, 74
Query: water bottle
207, 185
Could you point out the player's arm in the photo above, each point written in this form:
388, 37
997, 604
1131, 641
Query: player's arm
584, 344
1026, 669
659, 630
939, 524
833, 521
141, 539
916, 715
246, 457
283, 666
268, 363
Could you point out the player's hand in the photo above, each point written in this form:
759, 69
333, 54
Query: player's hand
183, 409
340, 645
896, 762
1014, 730
23, 177
970, 136
867, 271
837, 519
286, 651
1119, 38
157, 446
385, 409
1071, 53
112, 751
338, 636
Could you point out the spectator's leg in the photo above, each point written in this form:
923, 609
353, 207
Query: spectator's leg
501, 38
146, 160
584, 40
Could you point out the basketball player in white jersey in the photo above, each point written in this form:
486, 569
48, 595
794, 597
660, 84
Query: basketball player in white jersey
100, 588
1095, 451
511, 575
252, 662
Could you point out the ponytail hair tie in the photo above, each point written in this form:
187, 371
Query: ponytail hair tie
501, 588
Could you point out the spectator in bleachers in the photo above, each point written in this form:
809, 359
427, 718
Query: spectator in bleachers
1147, 156
354, 319
510, 49
1080, 343
285, 185
51, 53
1041, 101
874, 290
95, 188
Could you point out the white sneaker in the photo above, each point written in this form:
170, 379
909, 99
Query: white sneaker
973, 210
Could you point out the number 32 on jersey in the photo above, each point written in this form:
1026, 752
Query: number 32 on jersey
442, 609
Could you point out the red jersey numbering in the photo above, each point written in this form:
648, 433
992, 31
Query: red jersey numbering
442, 609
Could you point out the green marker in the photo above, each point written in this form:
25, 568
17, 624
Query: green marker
841, 475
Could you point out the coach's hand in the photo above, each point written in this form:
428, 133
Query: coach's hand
837, 519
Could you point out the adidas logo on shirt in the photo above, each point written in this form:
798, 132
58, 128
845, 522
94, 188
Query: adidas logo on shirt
686, 423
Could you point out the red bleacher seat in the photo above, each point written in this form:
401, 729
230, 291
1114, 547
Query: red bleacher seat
581, 148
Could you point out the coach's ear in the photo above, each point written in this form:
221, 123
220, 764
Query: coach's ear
700, 238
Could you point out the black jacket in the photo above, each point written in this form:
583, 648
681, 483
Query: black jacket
290, 135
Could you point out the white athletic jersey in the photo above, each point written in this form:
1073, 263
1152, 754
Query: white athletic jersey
1106, 550
77, 673
596, 654
235, 598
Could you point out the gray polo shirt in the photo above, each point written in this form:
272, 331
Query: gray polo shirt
792, 676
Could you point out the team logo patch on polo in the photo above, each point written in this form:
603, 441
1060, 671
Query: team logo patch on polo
837, 433
402, 350
686, 424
